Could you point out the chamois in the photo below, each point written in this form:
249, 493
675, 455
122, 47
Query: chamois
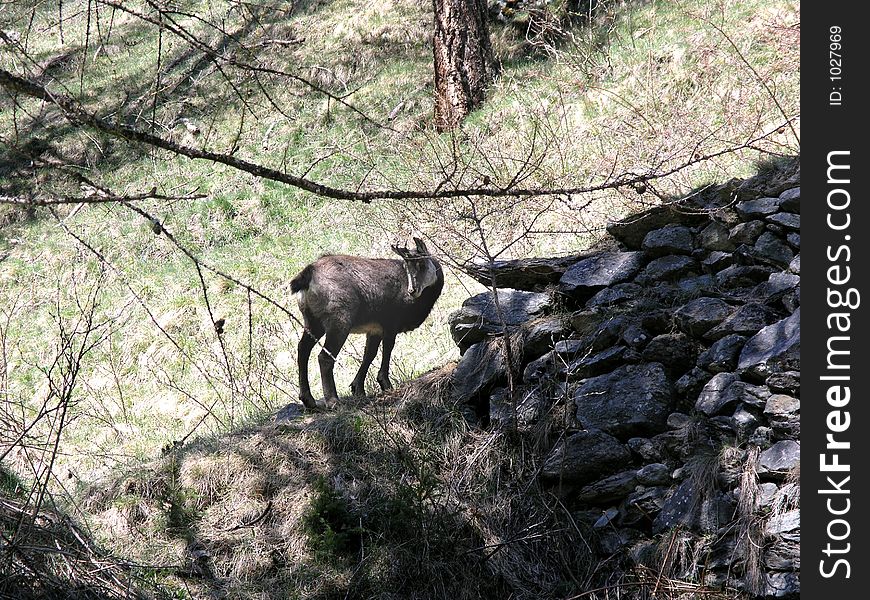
339, 295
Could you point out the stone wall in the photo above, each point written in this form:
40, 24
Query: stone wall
671, 364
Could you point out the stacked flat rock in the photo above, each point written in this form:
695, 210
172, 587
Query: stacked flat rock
674, 366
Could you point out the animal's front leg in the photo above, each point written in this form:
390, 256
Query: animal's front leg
358, 387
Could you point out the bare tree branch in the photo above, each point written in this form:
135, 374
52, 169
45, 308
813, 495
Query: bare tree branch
76, 114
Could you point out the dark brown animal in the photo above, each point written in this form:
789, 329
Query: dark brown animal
340, 295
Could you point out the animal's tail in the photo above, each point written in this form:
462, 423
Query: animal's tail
301, 281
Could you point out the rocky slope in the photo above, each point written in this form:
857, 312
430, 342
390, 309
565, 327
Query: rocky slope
676, 357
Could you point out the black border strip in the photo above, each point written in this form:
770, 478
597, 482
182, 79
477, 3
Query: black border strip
836, 222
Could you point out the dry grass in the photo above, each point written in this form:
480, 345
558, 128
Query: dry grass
399, 498
46, 555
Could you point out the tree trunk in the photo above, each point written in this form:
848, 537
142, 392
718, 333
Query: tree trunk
463, 59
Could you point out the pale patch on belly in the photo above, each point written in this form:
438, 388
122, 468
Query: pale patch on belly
368, 329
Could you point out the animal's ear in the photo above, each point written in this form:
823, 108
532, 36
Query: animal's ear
421, 247
403, 252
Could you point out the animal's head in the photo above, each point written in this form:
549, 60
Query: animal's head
422, 268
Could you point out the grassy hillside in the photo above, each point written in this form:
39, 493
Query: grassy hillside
644, 88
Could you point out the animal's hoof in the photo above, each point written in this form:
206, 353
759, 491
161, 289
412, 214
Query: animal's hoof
309, 402
329, 404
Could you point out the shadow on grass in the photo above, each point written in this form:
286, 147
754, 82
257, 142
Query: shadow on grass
380, 497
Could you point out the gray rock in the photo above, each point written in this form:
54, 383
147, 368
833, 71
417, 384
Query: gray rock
753, 395
586, 321
714, 237
642, 506
478, 318
715, 511
672, 239
615, 295
722, 355
693, 286
767, 494
761, 207
783, 554
606, 518
607, 334
714, 398
776, 229
539, 368
632, 230
632, 400
584, 457
791, 301
783, 415
667, 268
635, 336
787, 382
771, 249
716, 261
786, 220
480, 368
585, 278
790, 200
678, 420
597, 364
646, 449
530, 274
776, 287
774, 349
787, 522
531, 405
780, 405
612, 540
780, 458
290, 413
657, 321
680, 509
782, 585
739, 276
673, 444
793, 239
746, 320
795, 265
568, 349
745, 422
676, 351
654, 474
721, 556
702, 314
539, 335
690, 384
761, 437
746, 233
607, 490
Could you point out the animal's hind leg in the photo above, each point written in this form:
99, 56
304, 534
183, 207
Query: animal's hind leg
334, 341
358, 387
310, 335
384, 373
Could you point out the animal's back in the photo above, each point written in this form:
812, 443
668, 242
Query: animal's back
361, 290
